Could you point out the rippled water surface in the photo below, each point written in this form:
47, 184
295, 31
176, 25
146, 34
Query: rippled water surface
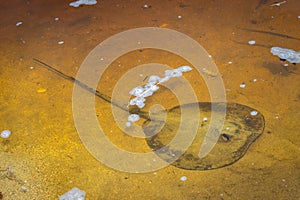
44, 157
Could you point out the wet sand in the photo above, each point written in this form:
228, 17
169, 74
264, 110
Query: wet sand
45, 152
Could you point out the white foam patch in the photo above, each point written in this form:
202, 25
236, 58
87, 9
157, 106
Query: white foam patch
82, 2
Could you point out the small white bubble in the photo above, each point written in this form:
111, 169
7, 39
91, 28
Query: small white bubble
179, 17
254, 80
133, 117
56, 18
229, 63
19, 23
205, 119
24, 188
5, 134
251, 42
243, 85
60, 42
128, 124
253, 113
183, 178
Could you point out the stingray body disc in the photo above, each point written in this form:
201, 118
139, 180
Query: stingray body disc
241, 128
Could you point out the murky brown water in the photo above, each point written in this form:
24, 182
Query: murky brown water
45, 152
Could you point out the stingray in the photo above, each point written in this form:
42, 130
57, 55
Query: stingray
243, 125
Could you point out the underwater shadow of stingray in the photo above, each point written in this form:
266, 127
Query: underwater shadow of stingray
240, 130
278, 68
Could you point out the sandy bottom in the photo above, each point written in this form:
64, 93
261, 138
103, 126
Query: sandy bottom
44, 153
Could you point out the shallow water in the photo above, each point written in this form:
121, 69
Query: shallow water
45, 153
